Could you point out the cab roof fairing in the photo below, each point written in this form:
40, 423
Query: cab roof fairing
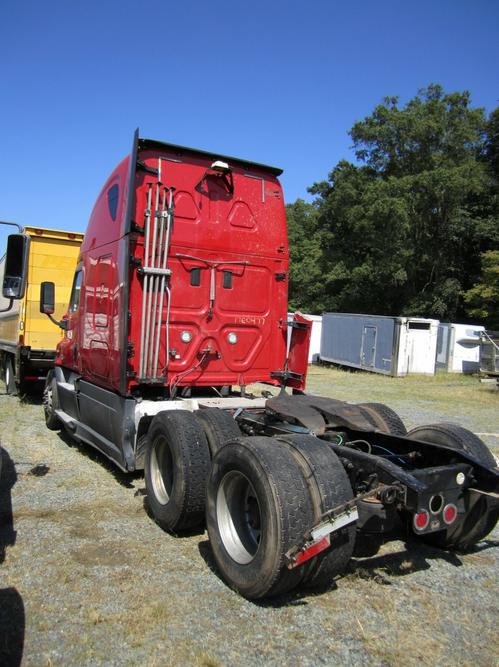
153, 144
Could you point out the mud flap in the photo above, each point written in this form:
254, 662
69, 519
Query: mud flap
294, 373
319, 538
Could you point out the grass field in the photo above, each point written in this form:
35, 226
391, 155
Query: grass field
418, 399
443, 387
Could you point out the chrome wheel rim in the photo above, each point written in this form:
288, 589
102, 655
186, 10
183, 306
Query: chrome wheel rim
239, 517
47, 400
161, 470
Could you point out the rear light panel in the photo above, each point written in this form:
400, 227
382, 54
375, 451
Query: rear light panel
438, 516
449, 514
421, 521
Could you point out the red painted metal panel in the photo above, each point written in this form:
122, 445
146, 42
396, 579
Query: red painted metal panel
232, 230
217, 231
299, 348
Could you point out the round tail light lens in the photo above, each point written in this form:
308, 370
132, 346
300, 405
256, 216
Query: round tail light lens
421, 520
450, 513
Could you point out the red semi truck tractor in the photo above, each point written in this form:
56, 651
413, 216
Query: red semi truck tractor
179, 303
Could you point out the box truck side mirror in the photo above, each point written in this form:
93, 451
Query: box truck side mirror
16, 266
47, 298
47, 304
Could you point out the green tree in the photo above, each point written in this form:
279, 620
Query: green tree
305, 290
492, 143
363, 226
482, 299
401, 231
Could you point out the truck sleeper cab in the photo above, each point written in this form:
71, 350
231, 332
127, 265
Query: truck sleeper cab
179, 302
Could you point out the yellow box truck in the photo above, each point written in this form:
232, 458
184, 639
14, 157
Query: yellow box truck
27, 338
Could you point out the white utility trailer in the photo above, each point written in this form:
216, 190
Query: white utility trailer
381, 344
458, 347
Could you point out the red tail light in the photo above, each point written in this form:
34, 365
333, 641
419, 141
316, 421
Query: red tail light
450, 513
421, 520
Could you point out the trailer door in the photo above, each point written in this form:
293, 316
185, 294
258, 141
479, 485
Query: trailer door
443, 346
368, 351
422, 344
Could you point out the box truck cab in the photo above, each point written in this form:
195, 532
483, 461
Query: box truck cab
27, 339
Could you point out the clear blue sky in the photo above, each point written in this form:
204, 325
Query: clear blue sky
280, 82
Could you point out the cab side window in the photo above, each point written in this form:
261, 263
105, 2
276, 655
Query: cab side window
112, 200
75, 292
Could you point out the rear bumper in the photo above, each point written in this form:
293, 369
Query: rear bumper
34, 364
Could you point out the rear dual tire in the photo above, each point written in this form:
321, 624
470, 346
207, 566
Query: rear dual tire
178, 448
258, 507
176, 469
218, 426
329, 487
263, 495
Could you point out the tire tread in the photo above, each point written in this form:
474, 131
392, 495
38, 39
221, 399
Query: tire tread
381, 416
289, 499
187, 441
324, 470
218, 426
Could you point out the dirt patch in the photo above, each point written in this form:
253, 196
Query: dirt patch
106, 553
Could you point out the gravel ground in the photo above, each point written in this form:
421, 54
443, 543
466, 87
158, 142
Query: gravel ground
87, 578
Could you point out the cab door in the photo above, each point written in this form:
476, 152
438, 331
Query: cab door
69, 347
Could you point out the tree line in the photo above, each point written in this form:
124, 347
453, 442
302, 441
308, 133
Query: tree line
412, 226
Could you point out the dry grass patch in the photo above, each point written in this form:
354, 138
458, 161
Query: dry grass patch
105, 553
72, 483
85, 531
442, 387
183, 656
37, 513
206, 660
413, 635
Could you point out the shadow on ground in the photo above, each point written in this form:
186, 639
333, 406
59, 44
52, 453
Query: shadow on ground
123, 478
293, 599
416, 557
34, 396
12, 617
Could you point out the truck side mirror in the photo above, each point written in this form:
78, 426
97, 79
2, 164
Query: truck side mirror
47, 298
16, 265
